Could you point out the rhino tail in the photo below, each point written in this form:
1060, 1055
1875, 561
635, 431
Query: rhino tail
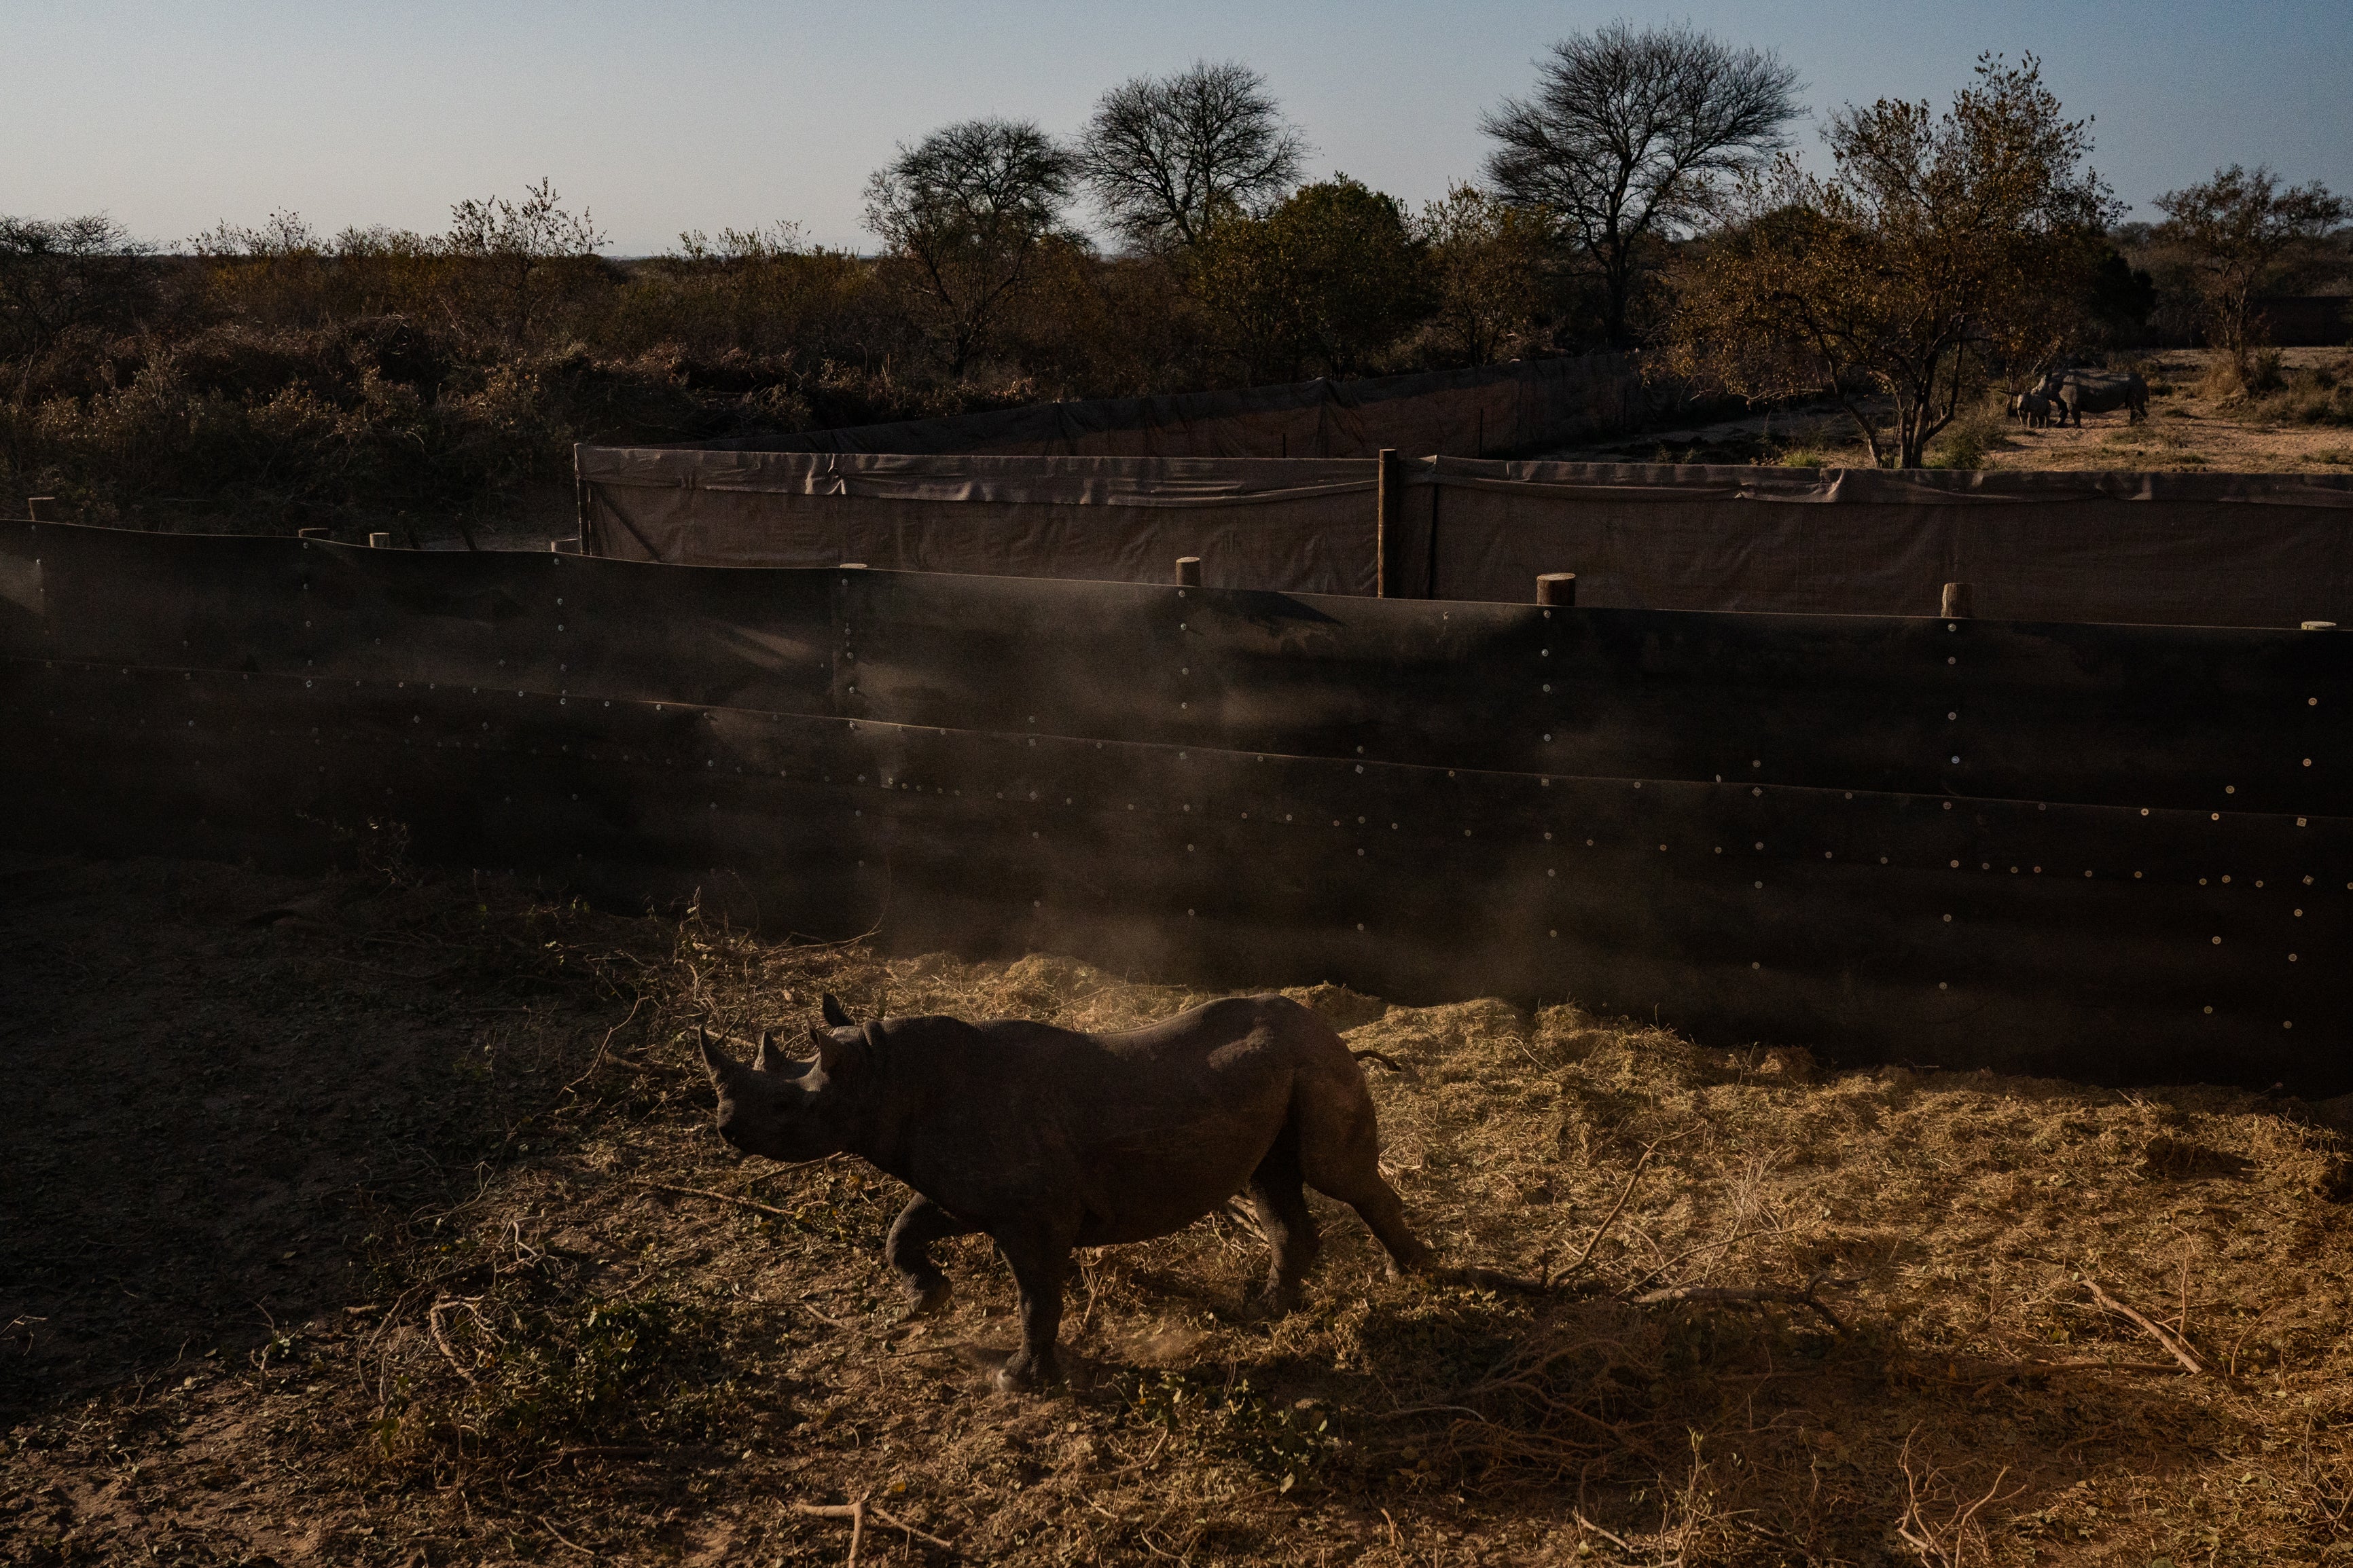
1367, 1054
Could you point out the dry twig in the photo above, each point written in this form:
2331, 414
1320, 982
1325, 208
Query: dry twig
598, 1060
1618, 1541
856, 1512
1945, 1546
559, 1535
1751, 1294
2162, 1335
1607, 1220
707, 1193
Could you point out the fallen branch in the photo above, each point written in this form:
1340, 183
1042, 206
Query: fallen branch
1750, 1295
855, 1513
2162, 1335
1618, 1541
1607, 1220
561, 1536
433, 1321
802, 1302
598, 1060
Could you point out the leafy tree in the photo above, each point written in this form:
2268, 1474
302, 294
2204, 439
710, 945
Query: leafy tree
1331, 276
1164, 156
2241, 232
516, 242
1934, 244
1629, 138
967, 209
1487, 264
60, 274
2119, 300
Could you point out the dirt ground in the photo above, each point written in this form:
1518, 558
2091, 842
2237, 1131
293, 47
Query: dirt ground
2190, 428
380, 1220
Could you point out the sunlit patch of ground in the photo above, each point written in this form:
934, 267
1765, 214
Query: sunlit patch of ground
384, 1223
2191, 427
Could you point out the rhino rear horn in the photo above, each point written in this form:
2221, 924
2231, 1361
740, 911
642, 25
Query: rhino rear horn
836, 1015
763, 1059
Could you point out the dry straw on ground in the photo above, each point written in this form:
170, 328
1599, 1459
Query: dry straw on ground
1800, 1315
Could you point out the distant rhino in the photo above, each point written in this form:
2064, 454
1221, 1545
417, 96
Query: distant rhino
1046, 1139
2077, 392
2032, 409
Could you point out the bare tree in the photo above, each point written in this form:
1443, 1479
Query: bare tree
969, 207
57, 274
1165, 155
2240, 231
1629, 136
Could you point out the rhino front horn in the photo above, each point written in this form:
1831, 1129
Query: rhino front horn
836, 1015
723, 1067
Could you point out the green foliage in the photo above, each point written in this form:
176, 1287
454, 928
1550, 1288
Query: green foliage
2312, 395
2119, 300
1974, 432
1938, 245
2241, 232
1285, 1443
1487, 264
965, 212
1327, 279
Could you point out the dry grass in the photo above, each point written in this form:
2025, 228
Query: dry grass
601, 1333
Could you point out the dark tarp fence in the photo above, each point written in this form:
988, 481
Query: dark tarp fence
2122, 853
2169, 549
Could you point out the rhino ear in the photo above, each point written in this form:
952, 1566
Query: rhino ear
836, 1015
831, 1052
724, 1069
765, 1058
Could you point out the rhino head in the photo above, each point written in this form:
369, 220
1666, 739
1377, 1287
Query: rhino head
782, 1108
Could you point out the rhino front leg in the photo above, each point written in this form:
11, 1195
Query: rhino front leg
908, 1250
1040, 1259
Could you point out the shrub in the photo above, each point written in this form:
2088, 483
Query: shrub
1974, 432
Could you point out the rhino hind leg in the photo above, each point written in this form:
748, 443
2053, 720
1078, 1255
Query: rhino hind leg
1383, 1212
1340, 1155
1279, 1198
908, 1250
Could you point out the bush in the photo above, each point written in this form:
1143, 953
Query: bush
1974, 432
2226, 380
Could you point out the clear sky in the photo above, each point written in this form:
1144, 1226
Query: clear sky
667, 116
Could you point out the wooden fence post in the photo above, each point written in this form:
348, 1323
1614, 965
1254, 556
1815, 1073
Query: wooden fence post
1388, 493
1188, 571
1557, 588
1955, 606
